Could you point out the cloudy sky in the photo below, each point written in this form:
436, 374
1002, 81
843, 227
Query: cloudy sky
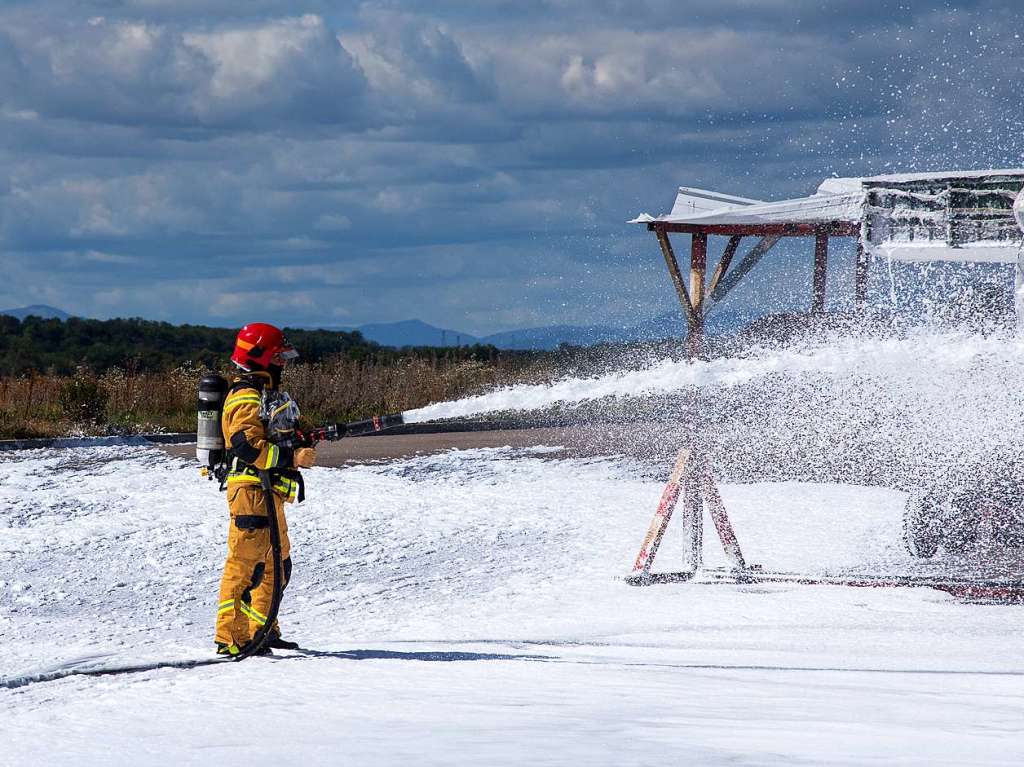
469, 164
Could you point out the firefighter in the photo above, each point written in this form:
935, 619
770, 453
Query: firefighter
256, 416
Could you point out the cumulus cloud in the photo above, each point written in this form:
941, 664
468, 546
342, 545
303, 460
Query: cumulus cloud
294, 69
414, 58
118, 72
130, 72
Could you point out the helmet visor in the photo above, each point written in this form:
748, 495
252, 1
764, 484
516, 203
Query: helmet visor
287, 351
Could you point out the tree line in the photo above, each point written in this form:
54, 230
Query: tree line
37, 345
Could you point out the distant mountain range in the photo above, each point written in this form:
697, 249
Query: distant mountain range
414, 333
37, 310
419, 333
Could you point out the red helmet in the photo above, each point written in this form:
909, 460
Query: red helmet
256, 345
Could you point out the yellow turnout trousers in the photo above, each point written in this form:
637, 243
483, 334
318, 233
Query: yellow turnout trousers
247, 586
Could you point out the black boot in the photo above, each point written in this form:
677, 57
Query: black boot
264, 650
230, 650
278, 643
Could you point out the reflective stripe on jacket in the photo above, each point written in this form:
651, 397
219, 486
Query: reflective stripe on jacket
246, 475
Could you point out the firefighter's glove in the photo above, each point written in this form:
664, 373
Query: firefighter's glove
304, 457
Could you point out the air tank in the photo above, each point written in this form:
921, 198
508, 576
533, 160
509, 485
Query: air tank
209, 437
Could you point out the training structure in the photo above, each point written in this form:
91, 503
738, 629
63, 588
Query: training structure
965, 216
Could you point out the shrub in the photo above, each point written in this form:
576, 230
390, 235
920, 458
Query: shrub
82, 399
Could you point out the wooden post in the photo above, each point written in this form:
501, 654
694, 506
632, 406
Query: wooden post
677, 277
690, 481
820, 268
731, 279
693, 505
698, 272
667, 504
723, 265
693, 522
861, 277
723, 526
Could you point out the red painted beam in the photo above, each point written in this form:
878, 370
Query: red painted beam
698, 274
831, 228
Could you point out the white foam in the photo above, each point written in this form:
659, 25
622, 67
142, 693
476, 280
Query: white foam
468, 608
932, 355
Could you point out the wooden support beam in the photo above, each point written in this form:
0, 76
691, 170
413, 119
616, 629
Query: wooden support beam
723, 264
820, 272
667, 504
749, 261
693, 524
723, 526
677, 277
698, 271
860, 290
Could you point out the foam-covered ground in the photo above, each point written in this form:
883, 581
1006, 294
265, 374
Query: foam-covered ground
469, 608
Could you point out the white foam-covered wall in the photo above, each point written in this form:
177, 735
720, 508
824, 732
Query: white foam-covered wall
1018, 209
1018, 294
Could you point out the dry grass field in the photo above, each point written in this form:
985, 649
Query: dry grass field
123, 401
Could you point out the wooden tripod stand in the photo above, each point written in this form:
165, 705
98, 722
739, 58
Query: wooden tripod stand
691, 478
